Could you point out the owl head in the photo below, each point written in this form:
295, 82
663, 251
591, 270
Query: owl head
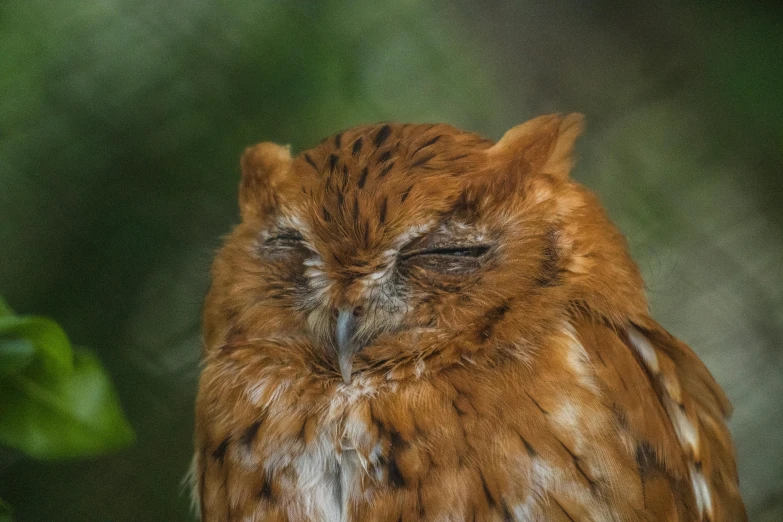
402, 249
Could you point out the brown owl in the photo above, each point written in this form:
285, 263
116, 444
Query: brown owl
412, 322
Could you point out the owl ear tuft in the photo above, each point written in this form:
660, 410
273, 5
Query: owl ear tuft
264, 167
542, 145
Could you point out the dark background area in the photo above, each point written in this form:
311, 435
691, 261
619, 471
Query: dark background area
122, 122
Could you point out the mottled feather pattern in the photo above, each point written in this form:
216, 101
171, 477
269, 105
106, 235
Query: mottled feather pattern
412, 322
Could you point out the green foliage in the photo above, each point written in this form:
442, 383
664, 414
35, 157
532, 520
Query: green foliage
56, 401
15, 355
43, 336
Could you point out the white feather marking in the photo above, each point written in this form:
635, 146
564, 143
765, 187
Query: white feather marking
526, 510
411, 233
190, 482
421, 368
351, 475
568, 416
374, 460
355, 441
277, 392
389, 254
318, 481
644, 349
544, 479
687, 433
256, 392
346, 394
295, 222
317, 279
579, 361
701, 491
387, 257
314, 262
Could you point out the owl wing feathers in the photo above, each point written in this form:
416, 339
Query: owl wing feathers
698, 409
674, 412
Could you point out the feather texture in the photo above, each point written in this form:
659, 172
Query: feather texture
503, 364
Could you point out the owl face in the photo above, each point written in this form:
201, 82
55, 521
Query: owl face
402, 246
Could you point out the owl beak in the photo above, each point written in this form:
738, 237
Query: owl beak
346, 345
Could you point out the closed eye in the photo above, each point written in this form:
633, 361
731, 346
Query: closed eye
286, 237
455, 251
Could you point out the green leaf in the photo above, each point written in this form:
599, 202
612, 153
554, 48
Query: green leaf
48, 416
15, 355
52, 345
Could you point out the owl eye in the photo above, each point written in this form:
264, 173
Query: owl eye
455, 260
455, 251
285, 238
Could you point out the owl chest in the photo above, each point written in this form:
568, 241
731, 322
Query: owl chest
447, 451
336, 467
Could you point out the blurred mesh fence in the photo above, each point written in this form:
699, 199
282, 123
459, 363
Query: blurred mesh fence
121, 124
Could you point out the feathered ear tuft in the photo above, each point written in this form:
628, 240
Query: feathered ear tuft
542, 145
264, 167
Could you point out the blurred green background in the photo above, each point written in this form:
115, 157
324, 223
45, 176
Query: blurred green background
122, 121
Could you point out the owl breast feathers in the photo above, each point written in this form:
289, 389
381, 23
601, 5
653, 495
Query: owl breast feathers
412, 322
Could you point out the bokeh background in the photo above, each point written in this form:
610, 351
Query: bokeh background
122, 121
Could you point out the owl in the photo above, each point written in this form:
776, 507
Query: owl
414, 323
